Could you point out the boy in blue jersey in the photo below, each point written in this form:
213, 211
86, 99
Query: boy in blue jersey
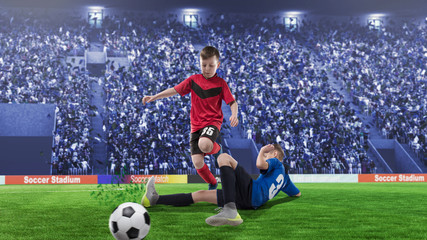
239, 190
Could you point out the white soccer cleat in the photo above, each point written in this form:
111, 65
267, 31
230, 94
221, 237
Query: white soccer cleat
151, 196
226, 216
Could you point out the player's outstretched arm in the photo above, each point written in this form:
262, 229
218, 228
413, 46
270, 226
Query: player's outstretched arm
164, 94
233, 118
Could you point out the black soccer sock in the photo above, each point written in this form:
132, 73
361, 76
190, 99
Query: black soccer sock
228, 182
178, 200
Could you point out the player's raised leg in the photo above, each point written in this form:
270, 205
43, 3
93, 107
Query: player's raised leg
203, 142
210, 147
203, 170
228, 214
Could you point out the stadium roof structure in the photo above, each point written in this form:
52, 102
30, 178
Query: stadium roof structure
403, 8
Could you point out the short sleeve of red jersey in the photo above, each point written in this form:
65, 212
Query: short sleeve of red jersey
184, 87
226, 93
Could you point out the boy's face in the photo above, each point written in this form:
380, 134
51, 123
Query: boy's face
209, 66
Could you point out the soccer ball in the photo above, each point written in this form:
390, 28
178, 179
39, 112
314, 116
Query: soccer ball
129, 221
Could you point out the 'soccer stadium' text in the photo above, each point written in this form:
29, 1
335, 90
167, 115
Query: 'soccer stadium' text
399, 178
51, 180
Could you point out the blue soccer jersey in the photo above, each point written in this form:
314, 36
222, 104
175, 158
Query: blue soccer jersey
270, 182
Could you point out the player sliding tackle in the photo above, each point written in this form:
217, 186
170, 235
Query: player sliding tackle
239, 190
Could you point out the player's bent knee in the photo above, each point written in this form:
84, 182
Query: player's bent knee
224, 159
205, 146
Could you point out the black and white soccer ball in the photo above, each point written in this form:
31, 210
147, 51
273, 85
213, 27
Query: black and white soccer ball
129, 221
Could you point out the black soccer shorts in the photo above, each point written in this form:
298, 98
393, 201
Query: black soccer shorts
209, 131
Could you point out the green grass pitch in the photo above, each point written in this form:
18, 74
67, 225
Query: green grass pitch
324, 211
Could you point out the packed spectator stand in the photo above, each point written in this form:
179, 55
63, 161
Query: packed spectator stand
316, 128
34, 45
385, 74
154, 137
279, 79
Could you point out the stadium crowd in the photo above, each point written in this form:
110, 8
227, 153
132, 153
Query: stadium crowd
151, 138
283, 92
293, 106
279, 78
385, 73
33, 49
284, 98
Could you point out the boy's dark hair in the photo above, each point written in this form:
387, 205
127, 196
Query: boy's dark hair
208, 52
279, 149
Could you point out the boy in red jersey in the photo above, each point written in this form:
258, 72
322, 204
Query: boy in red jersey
207, 92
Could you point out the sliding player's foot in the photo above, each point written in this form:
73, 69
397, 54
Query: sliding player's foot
151, 196
227, 216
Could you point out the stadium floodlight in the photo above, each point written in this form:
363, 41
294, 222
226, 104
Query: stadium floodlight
293, 13
96, 8
190, 10
377, 15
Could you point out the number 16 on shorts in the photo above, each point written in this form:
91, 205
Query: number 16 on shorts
208, 131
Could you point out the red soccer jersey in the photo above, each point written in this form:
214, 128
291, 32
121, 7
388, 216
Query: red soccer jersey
206, 99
